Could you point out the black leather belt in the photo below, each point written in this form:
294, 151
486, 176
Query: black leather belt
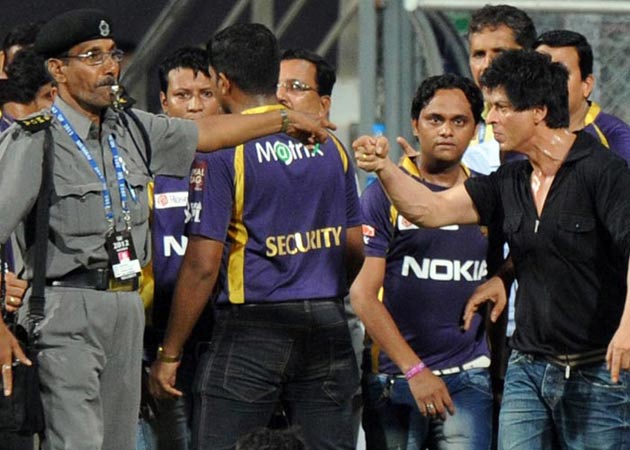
97, 279
578, 359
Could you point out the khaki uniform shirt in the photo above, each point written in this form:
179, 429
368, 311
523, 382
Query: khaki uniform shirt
78, 225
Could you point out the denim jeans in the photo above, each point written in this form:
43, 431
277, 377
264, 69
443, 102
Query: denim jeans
392, 421
170, 428
542, 409
299, 353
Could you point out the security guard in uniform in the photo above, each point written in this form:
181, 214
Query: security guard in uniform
91, 337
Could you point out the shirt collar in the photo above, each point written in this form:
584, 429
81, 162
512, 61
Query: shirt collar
582, 146
80, 123
592, 113
410, 166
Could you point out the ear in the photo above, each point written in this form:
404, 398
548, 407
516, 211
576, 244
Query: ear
163, 102
588, 84
540, 112
57, 69
224, 84
3, 58
324, 101
414, 129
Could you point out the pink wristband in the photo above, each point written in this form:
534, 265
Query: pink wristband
415, 370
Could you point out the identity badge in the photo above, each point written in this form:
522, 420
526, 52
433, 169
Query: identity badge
122, 255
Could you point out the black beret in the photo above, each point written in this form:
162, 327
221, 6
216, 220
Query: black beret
66, 30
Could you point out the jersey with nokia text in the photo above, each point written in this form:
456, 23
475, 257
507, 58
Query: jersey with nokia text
429, 276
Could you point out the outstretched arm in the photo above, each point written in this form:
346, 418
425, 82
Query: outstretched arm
229, 130
413, 200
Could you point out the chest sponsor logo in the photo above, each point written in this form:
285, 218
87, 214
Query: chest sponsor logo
174, 245
444, 269
167, 200
286, 152
405, 225
292, 244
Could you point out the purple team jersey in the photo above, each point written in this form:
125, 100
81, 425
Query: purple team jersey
611, 131
170, 197
282, 210
429, 276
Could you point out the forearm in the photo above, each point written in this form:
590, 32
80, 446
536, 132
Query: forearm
194, 287
354, 253
229, 130
383, 330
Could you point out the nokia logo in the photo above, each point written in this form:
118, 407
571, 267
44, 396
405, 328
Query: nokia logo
444, 269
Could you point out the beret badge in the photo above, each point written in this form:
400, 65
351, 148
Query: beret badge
103, 27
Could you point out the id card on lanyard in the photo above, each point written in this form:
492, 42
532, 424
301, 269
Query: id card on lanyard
119, 244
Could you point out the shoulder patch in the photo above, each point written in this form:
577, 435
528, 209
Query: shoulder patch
35, 123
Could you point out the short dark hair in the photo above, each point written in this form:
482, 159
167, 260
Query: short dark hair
25, 76
326, 76
23, 35
247, 53
567, 38
266, 439
184, 58
515, 19
530, 80
427, 89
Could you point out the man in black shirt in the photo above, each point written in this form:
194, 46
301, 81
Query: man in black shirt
567, 220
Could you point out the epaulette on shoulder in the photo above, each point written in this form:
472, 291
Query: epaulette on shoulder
35, 123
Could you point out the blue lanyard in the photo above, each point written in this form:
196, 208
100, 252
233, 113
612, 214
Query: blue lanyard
107, 198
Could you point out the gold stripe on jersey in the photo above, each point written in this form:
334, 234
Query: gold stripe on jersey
593, 112
375, 350
237, 232
342, 152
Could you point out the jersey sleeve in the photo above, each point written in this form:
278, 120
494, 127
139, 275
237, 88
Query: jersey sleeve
378, 229
211, 195
619, 140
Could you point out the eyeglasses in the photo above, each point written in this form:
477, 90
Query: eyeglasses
97, 57
295, 86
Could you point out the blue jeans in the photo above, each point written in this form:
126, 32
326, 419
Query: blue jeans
543, 410
392, 421
298, 353
170, 428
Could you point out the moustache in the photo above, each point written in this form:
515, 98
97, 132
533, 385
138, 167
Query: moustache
108, 81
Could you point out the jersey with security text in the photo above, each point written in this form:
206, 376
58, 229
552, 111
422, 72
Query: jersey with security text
282, 209
429, 276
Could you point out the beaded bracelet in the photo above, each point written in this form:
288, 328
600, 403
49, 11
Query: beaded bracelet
415, 370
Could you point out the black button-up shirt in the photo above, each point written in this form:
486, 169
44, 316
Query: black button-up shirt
570, 262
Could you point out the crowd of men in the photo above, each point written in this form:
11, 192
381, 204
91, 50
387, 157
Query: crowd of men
198, 262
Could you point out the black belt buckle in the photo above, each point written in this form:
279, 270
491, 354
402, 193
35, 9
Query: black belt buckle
97, 279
